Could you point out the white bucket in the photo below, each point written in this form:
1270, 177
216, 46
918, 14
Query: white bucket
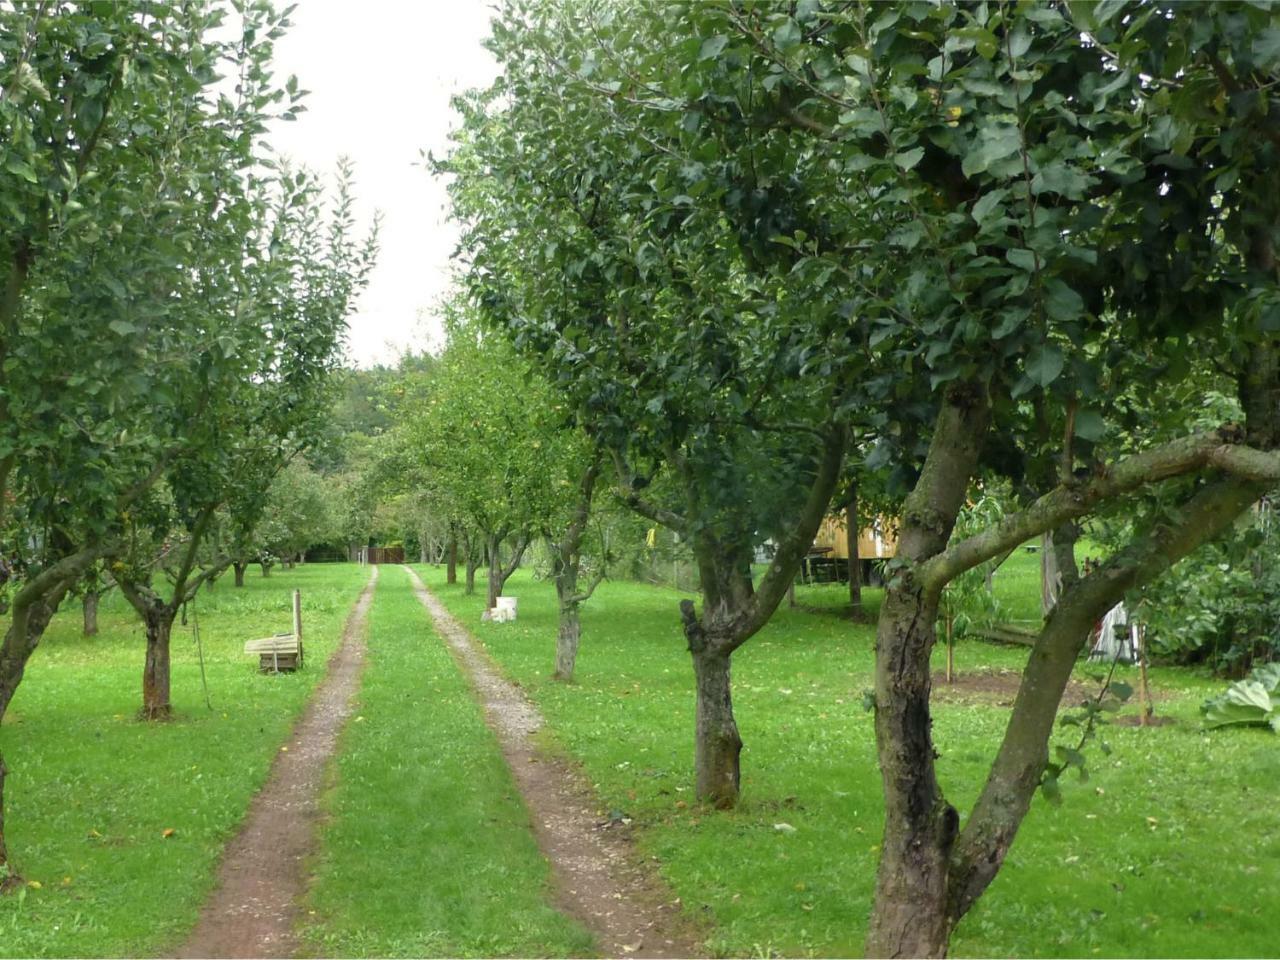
505, 609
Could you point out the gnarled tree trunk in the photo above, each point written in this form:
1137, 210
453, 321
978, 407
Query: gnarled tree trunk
568, 636
156, 704
718, 746
30, 614
239, 567
499, 573
909, 917
451, 558
89, 603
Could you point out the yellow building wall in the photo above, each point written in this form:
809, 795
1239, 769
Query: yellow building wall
878, 541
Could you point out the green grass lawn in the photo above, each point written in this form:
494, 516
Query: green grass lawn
428, 850
92, 790
1168, 850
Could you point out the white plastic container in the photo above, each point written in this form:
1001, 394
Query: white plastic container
505, 609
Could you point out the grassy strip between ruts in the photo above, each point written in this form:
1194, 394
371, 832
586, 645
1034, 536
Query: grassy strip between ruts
118, 824
1167, 850
427, 849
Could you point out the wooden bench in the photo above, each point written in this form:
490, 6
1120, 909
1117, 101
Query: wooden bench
282, 652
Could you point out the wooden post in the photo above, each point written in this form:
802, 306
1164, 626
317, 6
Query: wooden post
951, 647
851, 548
297, 622
1144, 695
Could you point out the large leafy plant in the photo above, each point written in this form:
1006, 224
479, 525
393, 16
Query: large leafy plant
1251, 702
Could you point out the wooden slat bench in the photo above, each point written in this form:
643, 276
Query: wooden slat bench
276, 654
283, 651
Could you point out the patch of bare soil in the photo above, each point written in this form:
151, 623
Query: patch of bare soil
597, 876
254, 908
1134, 720
998, 687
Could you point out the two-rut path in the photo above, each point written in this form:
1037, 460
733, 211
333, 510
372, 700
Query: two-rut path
254, 908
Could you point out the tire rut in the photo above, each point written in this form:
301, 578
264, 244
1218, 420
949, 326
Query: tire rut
254, 908
596, 875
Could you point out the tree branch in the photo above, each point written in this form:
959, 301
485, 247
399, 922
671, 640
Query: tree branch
628, 495
1070, 501
992, 825
798, 540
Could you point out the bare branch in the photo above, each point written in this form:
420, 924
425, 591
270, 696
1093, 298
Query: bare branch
1070, 501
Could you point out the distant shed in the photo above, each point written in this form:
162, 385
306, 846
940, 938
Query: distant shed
879, 541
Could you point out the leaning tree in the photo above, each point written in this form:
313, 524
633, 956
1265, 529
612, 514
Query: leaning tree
127, 180
1008, 212
721, 413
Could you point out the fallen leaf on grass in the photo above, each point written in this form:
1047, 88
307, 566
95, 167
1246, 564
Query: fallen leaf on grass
167, 832
34, 884
784, 828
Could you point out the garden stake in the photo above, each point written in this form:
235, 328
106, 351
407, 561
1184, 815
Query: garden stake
195, 628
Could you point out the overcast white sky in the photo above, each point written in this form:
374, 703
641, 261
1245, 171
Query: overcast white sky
380, 74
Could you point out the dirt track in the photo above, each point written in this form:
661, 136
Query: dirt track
597, 876
253, 911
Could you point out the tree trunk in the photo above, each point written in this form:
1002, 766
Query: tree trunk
910, 916
155, 673
472, 564
567, 638
266, 568
451, 559
1050, 574
15, 651
851, 542
495, 574
8, 877
239, 569
90, 604
717, 745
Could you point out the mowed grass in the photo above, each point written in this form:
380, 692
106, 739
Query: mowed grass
92, 791
1168, 850
428, 850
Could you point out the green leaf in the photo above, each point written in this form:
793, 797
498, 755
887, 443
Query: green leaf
787, 35
1060, 178
1062, 302
1011, 318
122, 327
21, 168
907, 159
1266, 48
1044, 365
1052, 790
1090, 425
1019, 42
994, 143
1268, 675
984, 41
711, 47
1022, 258
987, 203
1246, 702
1122, 690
